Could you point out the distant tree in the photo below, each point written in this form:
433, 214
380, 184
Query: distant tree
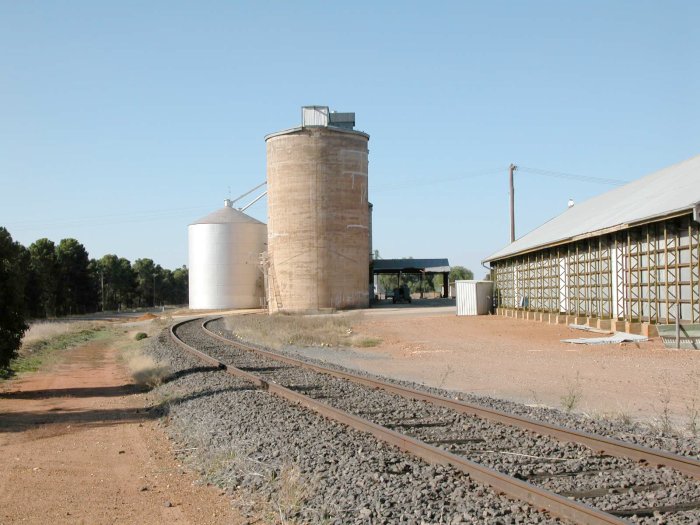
44, 275
25, 277
181, 278
125, 284
12, 282
460, 273
75, 287
119, 282
95, 282
164, 285
145, 274
388, 282
108, 268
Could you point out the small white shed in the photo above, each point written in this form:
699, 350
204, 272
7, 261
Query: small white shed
474, 297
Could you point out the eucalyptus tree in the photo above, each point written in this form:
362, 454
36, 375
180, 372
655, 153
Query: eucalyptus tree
12, 308
43, 266
76, 289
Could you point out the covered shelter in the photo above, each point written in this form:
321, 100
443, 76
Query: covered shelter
421, 267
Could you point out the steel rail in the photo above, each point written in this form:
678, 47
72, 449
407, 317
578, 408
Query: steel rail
539, 498
600, 444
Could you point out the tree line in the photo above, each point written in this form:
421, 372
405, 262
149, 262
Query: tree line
50, 280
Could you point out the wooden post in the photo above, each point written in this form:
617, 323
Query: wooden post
678, 324
512, 169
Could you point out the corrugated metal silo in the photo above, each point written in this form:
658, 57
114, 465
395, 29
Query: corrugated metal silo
224, 260
318, 218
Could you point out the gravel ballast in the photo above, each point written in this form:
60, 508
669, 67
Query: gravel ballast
634, 433
619, 484
299, 466
296, 466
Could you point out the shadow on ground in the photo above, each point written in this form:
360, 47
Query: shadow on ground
69, 420
105, 391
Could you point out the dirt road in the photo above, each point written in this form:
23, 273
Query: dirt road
78, 447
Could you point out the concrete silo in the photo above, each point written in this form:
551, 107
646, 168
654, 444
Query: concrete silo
224, 260
318, 214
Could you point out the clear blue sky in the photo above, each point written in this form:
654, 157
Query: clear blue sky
122, 122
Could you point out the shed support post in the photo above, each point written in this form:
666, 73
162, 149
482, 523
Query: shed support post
445, 285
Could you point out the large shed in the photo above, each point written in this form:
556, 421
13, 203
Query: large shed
630, 255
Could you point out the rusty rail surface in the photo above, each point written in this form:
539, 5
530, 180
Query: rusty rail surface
600, 444
539, 498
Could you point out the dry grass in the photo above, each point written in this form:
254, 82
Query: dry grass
45, 342
292, 492
281, 490
574, 392
146, 371
278, 331
45, 330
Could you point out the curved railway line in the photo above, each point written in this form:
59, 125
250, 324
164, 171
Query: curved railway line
574, 475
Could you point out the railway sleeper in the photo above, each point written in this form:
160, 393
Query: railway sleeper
455, 441
650, 511
549, 475
326, 396
596, 493
417, 424
263, 369
304, 388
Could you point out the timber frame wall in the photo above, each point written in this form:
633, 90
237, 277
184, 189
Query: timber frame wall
634, 275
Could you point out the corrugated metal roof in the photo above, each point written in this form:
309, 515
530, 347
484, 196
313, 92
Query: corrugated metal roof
301, 129
226, 215
665, 192
426, 265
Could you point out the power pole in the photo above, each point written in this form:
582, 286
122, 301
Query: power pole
154, 290
511, 170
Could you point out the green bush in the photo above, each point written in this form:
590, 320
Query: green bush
140, 335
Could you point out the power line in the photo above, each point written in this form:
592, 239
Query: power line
116, 218
572, 176
412, 183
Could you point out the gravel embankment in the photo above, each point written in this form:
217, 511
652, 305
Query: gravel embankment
506, 449
300, 466
635, 433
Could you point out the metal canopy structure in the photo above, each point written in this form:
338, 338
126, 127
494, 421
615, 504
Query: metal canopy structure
630, 254
421, 267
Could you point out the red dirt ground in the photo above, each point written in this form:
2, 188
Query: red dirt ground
525, 361
77, 447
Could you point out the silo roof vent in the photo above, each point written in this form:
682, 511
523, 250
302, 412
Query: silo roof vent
314, 116
321, 116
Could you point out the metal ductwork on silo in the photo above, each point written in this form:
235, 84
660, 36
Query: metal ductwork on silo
318, 215
224, 260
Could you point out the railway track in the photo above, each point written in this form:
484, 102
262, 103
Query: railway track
573, 475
